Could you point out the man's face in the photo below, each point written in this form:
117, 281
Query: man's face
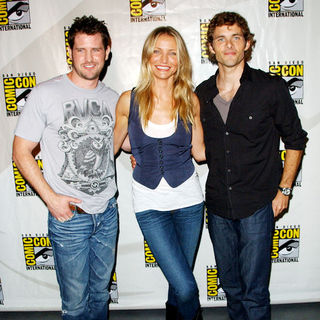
229, 45
88, 57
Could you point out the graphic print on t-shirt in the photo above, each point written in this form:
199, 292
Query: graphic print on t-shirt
86, 140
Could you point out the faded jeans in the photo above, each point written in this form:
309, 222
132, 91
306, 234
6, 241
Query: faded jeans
84, 254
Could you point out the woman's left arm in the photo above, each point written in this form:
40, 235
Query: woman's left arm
198, 147
120, 132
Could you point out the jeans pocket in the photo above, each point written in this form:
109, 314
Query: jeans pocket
54, 220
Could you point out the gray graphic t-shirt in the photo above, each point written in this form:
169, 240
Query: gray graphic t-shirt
75, 130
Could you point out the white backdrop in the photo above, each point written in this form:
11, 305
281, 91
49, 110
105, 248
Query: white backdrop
32, 40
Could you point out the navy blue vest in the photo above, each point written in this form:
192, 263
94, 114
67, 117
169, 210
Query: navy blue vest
168, 157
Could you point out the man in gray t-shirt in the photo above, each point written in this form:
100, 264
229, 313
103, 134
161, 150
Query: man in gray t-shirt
72, 116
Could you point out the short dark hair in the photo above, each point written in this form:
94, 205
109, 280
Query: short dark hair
229, 19
89, 25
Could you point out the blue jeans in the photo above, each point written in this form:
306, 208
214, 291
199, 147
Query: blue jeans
243, 254
84, 254
173, 238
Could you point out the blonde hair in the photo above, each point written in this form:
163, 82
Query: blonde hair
182, 85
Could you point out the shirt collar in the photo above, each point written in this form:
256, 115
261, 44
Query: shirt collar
212, 90
246, 74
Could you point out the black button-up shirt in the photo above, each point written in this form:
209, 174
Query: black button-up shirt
243, 154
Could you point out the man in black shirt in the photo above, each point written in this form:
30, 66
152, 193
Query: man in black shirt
244, 112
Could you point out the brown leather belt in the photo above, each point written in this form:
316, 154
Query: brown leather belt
76, 209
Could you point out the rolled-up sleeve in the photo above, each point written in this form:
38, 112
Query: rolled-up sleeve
286, 117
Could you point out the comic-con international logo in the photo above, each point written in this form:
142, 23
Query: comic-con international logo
286, 242
149, 259
147, 10
285, 8
298, 180
203, 40
292, 72
114, 294
1, 294
66, 45
16, 91
38, 253
214, 289
14, 15
23, 189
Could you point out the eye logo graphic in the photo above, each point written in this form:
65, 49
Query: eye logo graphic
38, 253
18, 12
147, 10
153, 7
14, 15
16, 91
286, 244
285, 8
291, 5
293, 74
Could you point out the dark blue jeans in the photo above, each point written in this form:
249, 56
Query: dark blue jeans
242, 250
173, 238
84, 254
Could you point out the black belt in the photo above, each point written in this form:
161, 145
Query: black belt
76, 209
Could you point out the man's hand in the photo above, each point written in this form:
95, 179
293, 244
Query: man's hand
280, 203
133, 161
291, 165
57, 204
59, 207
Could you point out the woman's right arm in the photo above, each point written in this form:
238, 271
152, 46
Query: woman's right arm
122, 116
198, 147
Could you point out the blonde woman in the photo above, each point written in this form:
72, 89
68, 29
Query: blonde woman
161, 116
